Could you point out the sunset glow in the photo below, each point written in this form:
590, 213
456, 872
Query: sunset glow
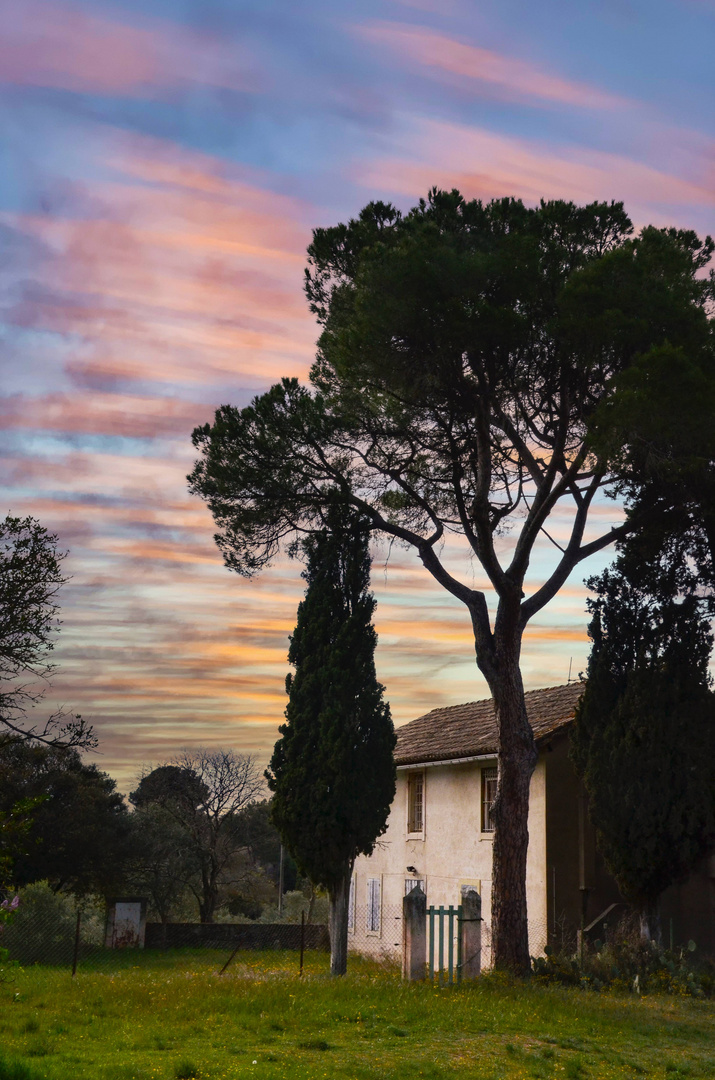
164, 167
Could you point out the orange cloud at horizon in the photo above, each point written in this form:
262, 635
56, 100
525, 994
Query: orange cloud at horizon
62, 46
511, 77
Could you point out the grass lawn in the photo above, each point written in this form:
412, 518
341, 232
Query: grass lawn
171, 1016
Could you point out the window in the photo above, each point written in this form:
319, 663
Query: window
373, 905
351, 906
489, 792
412, 883
415, 802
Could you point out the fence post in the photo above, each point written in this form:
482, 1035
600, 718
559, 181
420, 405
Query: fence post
75, 954
414, 934
471, 932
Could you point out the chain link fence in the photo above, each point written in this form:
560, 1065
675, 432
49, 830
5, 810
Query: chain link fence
53, 929
383, 940
377, 938
64, 931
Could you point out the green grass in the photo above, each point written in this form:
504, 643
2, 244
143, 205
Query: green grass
171, 1016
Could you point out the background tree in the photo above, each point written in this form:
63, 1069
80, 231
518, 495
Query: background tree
263, 846
464, 350
658, 433
78, 836
644, 736
160, 866
332, 771
202, 793
30, 579
14, 826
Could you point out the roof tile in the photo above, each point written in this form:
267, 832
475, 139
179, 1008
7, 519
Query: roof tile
468, 730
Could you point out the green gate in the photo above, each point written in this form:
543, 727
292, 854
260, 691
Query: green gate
441, 943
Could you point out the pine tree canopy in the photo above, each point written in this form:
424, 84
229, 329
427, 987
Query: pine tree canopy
332, 771
465, 351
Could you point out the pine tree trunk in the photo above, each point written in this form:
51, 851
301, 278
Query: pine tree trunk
338, 924
517, 760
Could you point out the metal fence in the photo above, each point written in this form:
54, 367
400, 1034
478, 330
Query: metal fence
247, 935
378, 938
64, 931
385, 942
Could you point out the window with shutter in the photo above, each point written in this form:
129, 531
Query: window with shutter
351, 906
373, 905
416, 802
489, 793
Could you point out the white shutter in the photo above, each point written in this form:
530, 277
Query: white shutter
351, 906
373, 905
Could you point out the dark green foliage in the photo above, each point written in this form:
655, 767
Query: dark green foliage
30, 579
631, 966
15, 822
42, 930
170, 786
159, 866
465, 350
262, 842
658, 432
78, 834
332, 771
187, 816
644, 736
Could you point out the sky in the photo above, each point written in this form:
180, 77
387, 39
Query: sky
162, 167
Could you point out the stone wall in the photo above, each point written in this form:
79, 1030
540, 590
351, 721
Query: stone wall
232, 935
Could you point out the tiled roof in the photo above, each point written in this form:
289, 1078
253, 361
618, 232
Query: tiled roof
468, 730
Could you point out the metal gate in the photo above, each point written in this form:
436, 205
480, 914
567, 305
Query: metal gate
442, 944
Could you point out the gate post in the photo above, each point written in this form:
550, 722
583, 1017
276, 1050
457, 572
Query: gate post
471, 933
414, 934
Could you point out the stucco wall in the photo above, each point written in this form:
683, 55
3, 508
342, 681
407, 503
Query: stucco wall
451, 852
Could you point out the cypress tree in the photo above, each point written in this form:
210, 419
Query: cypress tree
643, 740
332, 771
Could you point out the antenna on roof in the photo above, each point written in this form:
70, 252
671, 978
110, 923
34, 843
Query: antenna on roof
570, 663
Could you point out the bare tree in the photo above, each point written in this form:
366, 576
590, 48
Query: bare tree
203, 791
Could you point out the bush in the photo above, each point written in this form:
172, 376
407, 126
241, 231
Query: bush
633, 966
43, 928
294, 902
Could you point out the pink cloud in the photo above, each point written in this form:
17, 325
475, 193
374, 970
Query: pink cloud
511, 77
185, 271
53, 44
486, 165
103, 414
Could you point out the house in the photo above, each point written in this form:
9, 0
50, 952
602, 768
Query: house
440, 832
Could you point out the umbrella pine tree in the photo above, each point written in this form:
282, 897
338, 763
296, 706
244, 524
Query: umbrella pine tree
332, 771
